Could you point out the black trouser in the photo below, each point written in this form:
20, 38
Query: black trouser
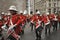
38, 32
31, 26
47, 27
23, 29
1, 36
11, 37
52, 23
0, 32
59, 24
28, 20
55, 25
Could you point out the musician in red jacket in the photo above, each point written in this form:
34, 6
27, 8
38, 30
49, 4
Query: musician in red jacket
55, 22
36, 20
31, 21
46, 21
14, 24
23, 22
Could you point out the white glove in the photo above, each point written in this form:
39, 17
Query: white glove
4, 26
12, 26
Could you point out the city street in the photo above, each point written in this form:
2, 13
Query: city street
15, 15
30, 35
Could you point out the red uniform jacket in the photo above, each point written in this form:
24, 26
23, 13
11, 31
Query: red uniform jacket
1, 24
23, 18
52, 16
58, 18
35, 18
4, 18
45, 20
15, 20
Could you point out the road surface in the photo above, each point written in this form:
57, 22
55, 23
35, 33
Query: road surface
30, 35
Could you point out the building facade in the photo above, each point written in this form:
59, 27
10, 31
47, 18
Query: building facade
5, 4
51, 6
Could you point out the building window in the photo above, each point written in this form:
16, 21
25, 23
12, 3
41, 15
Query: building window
54, 4
49, 4
58, 0
49, 0
27, 4
54, 10
49, 10
55, 0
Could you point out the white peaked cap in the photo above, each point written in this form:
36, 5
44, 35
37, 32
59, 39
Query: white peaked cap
9, 13
21, 12
12, 8
25, 11
38, 12
47, 13
2, 13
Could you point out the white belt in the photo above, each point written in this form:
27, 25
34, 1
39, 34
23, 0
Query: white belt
37, 26
47, 23
55, 19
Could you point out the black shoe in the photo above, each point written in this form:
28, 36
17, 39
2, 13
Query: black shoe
19, 39
22, 32
37, 39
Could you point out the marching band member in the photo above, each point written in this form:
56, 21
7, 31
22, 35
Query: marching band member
58, 19
46, 22
38, 26
31, 23
23, 22
13, 24
55, 20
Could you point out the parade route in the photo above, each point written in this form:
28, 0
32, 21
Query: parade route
30, 35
